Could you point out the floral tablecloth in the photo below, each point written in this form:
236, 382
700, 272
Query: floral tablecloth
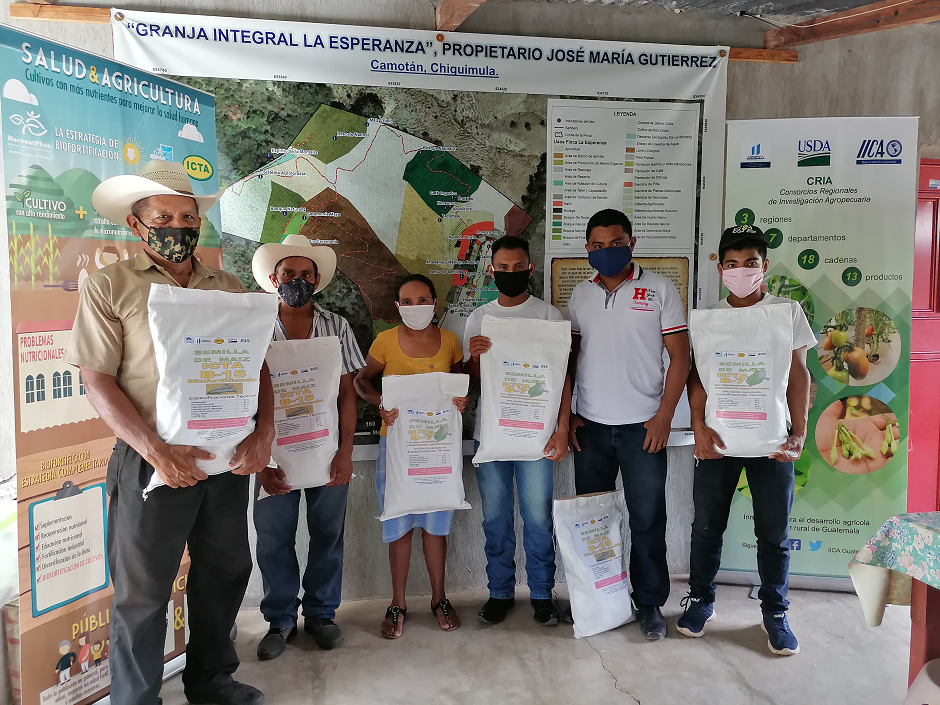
907, 547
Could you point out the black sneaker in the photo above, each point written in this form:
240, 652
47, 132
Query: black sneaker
697, 614
274, 642
780, 640
495, 610
231, 693
325, 632
652, 623
546, 613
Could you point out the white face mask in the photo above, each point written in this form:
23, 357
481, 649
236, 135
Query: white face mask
416, 317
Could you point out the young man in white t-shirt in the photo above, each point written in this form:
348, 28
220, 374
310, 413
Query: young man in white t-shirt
742, 262
511, 270
621, 321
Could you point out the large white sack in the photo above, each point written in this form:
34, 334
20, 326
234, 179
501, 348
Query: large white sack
305, 375
209, 347
587, 530
521, 379
424, 459
743, 358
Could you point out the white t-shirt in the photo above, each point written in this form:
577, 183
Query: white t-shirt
532, 307
621, 373
802, 334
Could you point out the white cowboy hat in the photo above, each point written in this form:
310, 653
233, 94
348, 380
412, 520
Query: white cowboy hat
114, 197
296, 245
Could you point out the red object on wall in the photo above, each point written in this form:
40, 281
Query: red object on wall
923, 485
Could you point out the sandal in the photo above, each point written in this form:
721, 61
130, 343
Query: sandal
445, 606
395, 612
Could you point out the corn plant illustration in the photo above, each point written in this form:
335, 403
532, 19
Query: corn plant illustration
32, 257
16, 249
50, 255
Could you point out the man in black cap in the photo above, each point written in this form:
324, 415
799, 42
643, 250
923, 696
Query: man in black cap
742, 263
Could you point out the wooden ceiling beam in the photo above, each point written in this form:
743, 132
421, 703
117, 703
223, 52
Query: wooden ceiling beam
450, 14
767, 56
59, 13
860, 20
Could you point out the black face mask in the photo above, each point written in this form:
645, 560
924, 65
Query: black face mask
296, 293
173, 244
511, 284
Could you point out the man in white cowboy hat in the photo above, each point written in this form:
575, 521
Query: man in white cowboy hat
112, 346
296, 270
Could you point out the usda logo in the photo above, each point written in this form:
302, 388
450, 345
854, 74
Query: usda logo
814, 153
197, 167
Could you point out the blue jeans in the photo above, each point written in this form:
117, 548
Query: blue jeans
771, 485
604, 451
276, 523
534, 482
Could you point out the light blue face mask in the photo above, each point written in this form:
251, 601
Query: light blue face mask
610, 261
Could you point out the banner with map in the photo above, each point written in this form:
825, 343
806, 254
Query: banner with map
825, 191
411, 151
69, 120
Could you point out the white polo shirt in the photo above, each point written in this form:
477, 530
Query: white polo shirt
532, 307
620, 368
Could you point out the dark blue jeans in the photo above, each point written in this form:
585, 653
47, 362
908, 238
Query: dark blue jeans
771, 485
605, 450
276, 523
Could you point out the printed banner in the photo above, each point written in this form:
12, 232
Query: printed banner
825, 191
411, 151
69, 120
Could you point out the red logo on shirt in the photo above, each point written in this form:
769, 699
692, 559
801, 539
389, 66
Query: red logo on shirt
639, 294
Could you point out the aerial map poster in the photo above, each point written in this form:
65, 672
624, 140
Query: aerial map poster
411, 151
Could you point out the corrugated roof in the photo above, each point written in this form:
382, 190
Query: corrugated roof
779, 8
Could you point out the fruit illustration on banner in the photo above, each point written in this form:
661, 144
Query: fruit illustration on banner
859, 346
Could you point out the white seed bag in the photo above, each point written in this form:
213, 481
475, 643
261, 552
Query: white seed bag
587, 530
743, 359
305, 375
521, 380
209, 346
424, 463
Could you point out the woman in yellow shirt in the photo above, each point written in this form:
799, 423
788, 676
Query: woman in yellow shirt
414, 348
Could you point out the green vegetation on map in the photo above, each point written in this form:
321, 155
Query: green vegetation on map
429, 170
275, 222
36, 192
320, 133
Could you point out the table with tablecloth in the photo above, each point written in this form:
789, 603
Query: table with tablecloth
907, 547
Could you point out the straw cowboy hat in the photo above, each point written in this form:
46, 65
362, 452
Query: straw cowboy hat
296, 245
114, 197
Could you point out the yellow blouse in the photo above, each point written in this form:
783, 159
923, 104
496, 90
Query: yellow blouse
387, 351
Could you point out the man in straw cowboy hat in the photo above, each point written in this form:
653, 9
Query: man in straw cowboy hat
112, 346
296, 270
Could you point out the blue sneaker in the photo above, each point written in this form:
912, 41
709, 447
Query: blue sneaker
780, 639
697, 614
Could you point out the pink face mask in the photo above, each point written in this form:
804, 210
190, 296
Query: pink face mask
742, 281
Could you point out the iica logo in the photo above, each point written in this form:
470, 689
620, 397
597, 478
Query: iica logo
813, 153
197, 167
879, 152
757, 159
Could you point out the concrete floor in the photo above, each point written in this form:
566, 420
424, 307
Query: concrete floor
842, 660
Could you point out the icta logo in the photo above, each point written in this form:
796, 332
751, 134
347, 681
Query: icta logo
814, 153
879, 152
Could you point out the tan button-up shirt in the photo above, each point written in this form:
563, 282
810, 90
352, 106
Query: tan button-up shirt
111, 333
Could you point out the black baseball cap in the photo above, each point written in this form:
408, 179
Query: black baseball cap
738, 234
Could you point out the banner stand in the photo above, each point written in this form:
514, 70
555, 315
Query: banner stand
799, 582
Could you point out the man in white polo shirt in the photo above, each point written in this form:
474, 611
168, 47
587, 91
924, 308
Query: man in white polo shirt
620, 322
